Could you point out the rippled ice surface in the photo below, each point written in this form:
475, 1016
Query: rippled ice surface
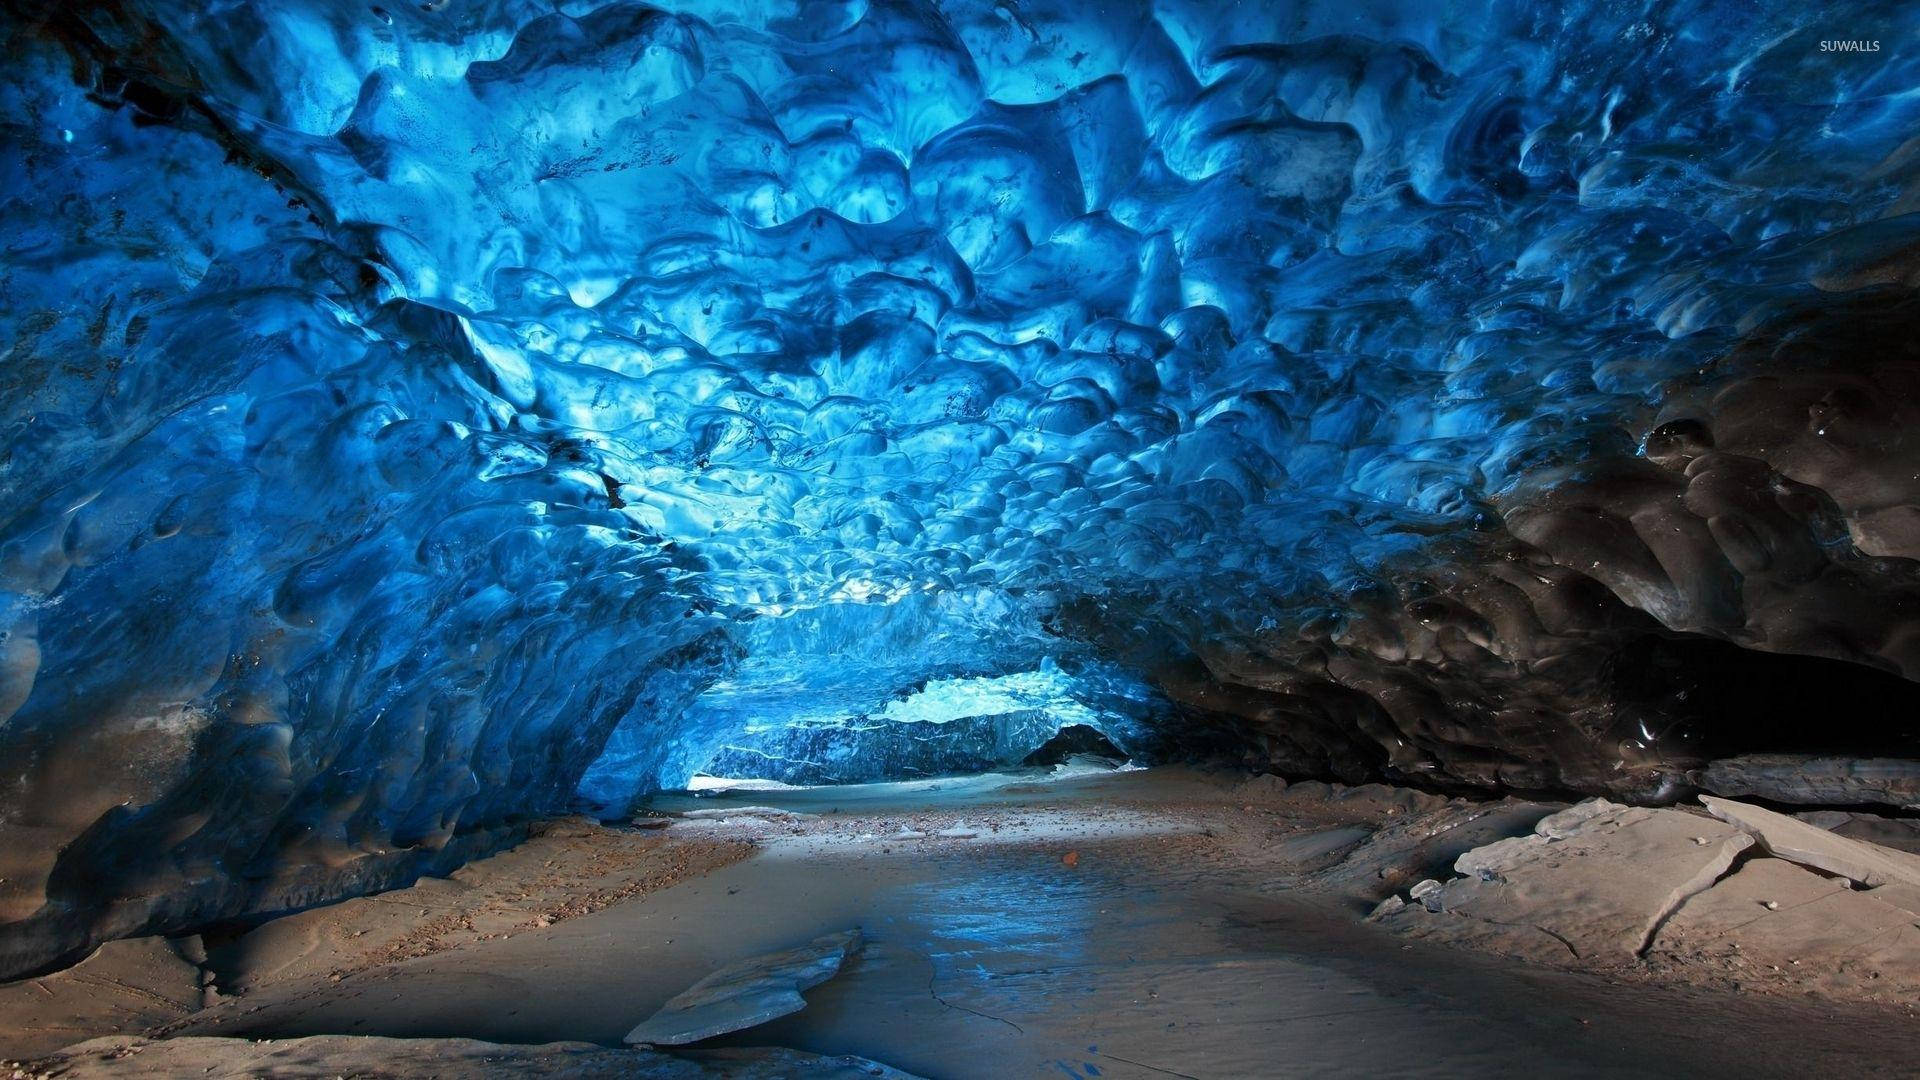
401, 400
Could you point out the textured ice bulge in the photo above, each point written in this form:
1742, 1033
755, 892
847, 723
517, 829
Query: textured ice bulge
404, 403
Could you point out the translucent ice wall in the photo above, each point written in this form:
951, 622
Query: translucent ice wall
399, 399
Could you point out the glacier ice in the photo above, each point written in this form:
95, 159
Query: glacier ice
947, 726
405, 403
929, 684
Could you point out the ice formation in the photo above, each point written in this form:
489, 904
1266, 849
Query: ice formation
404, 402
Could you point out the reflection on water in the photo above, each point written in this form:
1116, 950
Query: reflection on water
1029, 914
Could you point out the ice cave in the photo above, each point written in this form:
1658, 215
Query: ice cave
960, 538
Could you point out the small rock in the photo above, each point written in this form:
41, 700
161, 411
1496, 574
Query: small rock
1570, 821
1071, 858
1423, 888
1385, 908
1265, 784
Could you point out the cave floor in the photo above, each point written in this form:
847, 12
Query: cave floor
1128, 925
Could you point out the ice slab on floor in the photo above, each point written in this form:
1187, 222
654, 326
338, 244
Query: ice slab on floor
747, 993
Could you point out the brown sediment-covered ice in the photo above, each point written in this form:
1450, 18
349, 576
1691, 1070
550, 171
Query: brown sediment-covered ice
1140, 923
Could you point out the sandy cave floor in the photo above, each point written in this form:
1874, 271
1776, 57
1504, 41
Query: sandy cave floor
1137, 924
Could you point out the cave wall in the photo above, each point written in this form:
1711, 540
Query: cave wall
294, 608
398, 400
1744, 584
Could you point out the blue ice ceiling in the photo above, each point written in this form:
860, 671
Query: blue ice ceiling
404, 402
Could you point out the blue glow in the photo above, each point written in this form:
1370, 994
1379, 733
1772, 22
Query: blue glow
948, 727
403, 404
931, 684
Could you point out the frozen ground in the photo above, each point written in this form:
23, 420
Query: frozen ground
1136, 924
